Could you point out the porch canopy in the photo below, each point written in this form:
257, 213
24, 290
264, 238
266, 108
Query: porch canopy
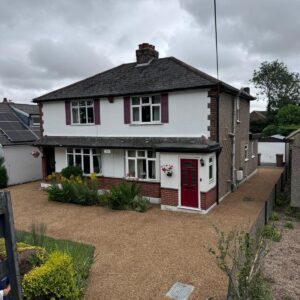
161, 144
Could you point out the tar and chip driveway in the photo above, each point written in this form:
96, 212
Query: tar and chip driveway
141, 255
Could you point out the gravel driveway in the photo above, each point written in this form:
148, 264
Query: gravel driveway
140, 256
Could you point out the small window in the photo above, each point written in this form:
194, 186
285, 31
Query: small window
141, 164
238, 110
35, 120
146, 109
82, 112
211, 170
246, 152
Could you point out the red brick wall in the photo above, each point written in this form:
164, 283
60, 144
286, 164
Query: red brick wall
148, 189
208, 198
213, 113
169, 196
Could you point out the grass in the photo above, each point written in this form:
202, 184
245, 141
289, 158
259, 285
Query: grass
82, 254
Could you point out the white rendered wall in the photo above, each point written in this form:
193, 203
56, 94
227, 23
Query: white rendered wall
188, 113
113, 164
203, 172
21, 165
269, 150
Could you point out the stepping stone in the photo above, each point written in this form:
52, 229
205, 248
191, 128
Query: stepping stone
180, 291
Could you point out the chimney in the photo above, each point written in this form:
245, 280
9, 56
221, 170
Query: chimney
5, 100
145, 53
247, 90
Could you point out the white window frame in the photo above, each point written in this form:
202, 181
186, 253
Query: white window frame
140, 105
77, 107
211, 165
252, 149
35, 123
246, 152
238, 112
135, 159
91, 155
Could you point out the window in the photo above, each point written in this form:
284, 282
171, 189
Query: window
238, 110
89, 160
146, 109
246, 152
35, 120
141, 164
82, 112
211, 170
252, 149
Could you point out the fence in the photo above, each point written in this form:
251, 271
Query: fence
265, 212
9, 266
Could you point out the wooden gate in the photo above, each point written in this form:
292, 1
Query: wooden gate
9, 267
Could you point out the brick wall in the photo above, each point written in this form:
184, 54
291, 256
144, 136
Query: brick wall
212, 105
208, 198
148, 189
169, 196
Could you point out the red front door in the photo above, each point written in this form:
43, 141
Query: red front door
189, 183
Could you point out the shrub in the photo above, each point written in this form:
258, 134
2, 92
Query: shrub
140, 204
282, 200
3, 174
274, 216
288, 211
270, 130
122, 195
272, 233
67, 172
289, 225
54, 279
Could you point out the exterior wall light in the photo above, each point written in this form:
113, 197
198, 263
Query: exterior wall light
202, 163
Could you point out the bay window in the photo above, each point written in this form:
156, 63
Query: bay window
141, 164
82, 112
89, 160
146, 109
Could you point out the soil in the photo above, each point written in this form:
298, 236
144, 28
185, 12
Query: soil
281, 266
141, 255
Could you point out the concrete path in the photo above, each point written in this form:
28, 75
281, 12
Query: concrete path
140, 256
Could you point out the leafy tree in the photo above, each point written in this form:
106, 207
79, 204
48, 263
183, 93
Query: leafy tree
288, 115
277, 84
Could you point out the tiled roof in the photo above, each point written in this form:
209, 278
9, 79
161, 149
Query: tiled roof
27, 108
158, 143
164, 74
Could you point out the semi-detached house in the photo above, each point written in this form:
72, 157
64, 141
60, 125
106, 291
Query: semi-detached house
141, 119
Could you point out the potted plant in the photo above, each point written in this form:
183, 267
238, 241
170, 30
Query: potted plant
167, 169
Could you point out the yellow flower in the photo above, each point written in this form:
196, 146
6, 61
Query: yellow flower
94, 176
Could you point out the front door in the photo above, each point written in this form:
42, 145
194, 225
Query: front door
189, 183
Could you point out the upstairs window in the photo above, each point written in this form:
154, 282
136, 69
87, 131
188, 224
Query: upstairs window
89, 160
35, 120
141, 164
82, 112
146, 109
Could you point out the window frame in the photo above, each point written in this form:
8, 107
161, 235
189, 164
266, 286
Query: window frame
246, 152
140, 105
211, 166
35, 124
72, 106
135, 159
82, 154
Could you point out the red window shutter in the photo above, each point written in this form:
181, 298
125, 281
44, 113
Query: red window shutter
127, 110
164, 108
97, 111
68, 112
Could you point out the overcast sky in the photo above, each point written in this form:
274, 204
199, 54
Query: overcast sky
47, 44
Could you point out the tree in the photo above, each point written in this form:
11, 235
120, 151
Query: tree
288, 115
277, 84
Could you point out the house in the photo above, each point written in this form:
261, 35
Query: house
141, 119
258, 115
294, 140
273, 150
19, 128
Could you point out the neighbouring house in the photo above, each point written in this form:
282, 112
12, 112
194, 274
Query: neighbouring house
19, 129
182, 134
273, 150
294, 140
258, 115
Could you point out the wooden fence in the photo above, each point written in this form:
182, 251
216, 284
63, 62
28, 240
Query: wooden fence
9, 267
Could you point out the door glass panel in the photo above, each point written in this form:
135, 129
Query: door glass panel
193, 178
188, 164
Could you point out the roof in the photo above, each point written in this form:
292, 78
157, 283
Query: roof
159, 143
30, 109
160, 75
276, 138
12, 130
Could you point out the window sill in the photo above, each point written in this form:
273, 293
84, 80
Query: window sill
143, 124
141, 180
90, 124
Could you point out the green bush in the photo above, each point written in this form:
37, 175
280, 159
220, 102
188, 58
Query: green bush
282, 200
67, 172
274, 216
140, 204
122, 195
73, 192
288, 211
289, 225
270, 130
271, 232
54, 279
3, 174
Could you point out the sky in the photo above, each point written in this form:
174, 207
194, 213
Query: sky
46, 45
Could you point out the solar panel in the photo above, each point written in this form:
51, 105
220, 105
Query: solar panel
11, 126
20, 135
